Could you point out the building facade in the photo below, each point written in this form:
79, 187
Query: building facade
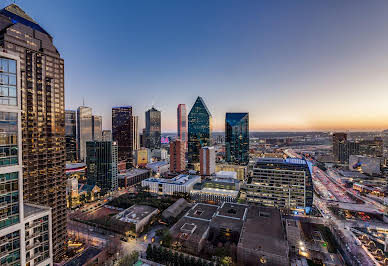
199, 130
237, 138
84, 130
153, 129
43, 115
340, 148
101, 164
106, 135
179, 184
18, 245
207, 161
282, 183
122, 133
177, 156
135, 130
182, 122
71, 135
96, 127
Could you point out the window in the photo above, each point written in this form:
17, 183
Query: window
8, 93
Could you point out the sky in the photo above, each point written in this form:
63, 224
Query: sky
293, 65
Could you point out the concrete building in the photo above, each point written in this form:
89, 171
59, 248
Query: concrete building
106, 135
282, 183
177, 156
101, 164
262, 239
122, 133
142, 157
159, 167
207, 161
182, 123
179, 184
159, 154
84, 130
138, 215
132, 177
20, 243
71, 135
176, 208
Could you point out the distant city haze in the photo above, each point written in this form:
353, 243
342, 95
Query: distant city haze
301, 65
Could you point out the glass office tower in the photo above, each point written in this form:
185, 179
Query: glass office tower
42, 117
122, 133
71, 135
84, 130
199, 130
153, 129
182, 122
237, 138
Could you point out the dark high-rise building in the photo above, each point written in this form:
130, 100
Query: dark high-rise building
43, 116
237, 138
200, 128
340, 147
96, 127
122, 133
71, 135
153, 129
101, 161
182, 122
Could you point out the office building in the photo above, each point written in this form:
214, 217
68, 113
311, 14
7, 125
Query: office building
237, 138
101, 164
179, 184
135, 130
282, 183
182, 122
71, 135
142, 157
240, 170
160, 167
177, 156
96, 127
199, 130
132, 177
43, 115
138, 215
340, 148
84, 130
106, 135
122, 133
153, 129
207, 161
25, 229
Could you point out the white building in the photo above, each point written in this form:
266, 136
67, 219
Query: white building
179, 184
139, 215
25, 229
159, 167
226, 174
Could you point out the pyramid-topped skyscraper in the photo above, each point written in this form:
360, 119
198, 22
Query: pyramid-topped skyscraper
42, 115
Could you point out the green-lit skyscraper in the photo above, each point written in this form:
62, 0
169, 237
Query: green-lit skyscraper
237, 138
200, 128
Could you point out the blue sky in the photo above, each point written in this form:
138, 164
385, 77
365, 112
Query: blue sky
293, 65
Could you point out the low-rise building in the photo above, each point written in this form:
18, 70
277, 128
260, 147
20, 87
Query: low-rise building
241, 170
138, 215
216, 190
180, 184
262, 239
365, 164
142, 157
159, 167
132, 177
175, 209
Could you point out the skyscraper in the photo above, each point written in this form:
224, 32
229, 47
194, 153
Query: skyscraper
84, 130
25, 235
237, 138
135, 130
207, 161
96, 127
340, 147
182, 122
71, 135
101, 161
200, 128
106, 135
177, 156
153, 128
122, 133
43, 115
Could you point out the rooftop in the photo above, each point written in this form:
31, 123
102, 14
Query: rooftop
135, 213
226, 174
75, 166
133, 172
157, 164
233, 210
217, 191
178, 180
202, 211
176, 208
263, 230
31, 209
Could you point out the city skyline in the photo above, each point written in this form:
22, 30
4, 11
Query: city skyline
297, 67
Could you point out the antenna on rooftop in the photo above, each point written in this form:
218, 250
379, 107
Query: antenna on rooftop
83, 101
